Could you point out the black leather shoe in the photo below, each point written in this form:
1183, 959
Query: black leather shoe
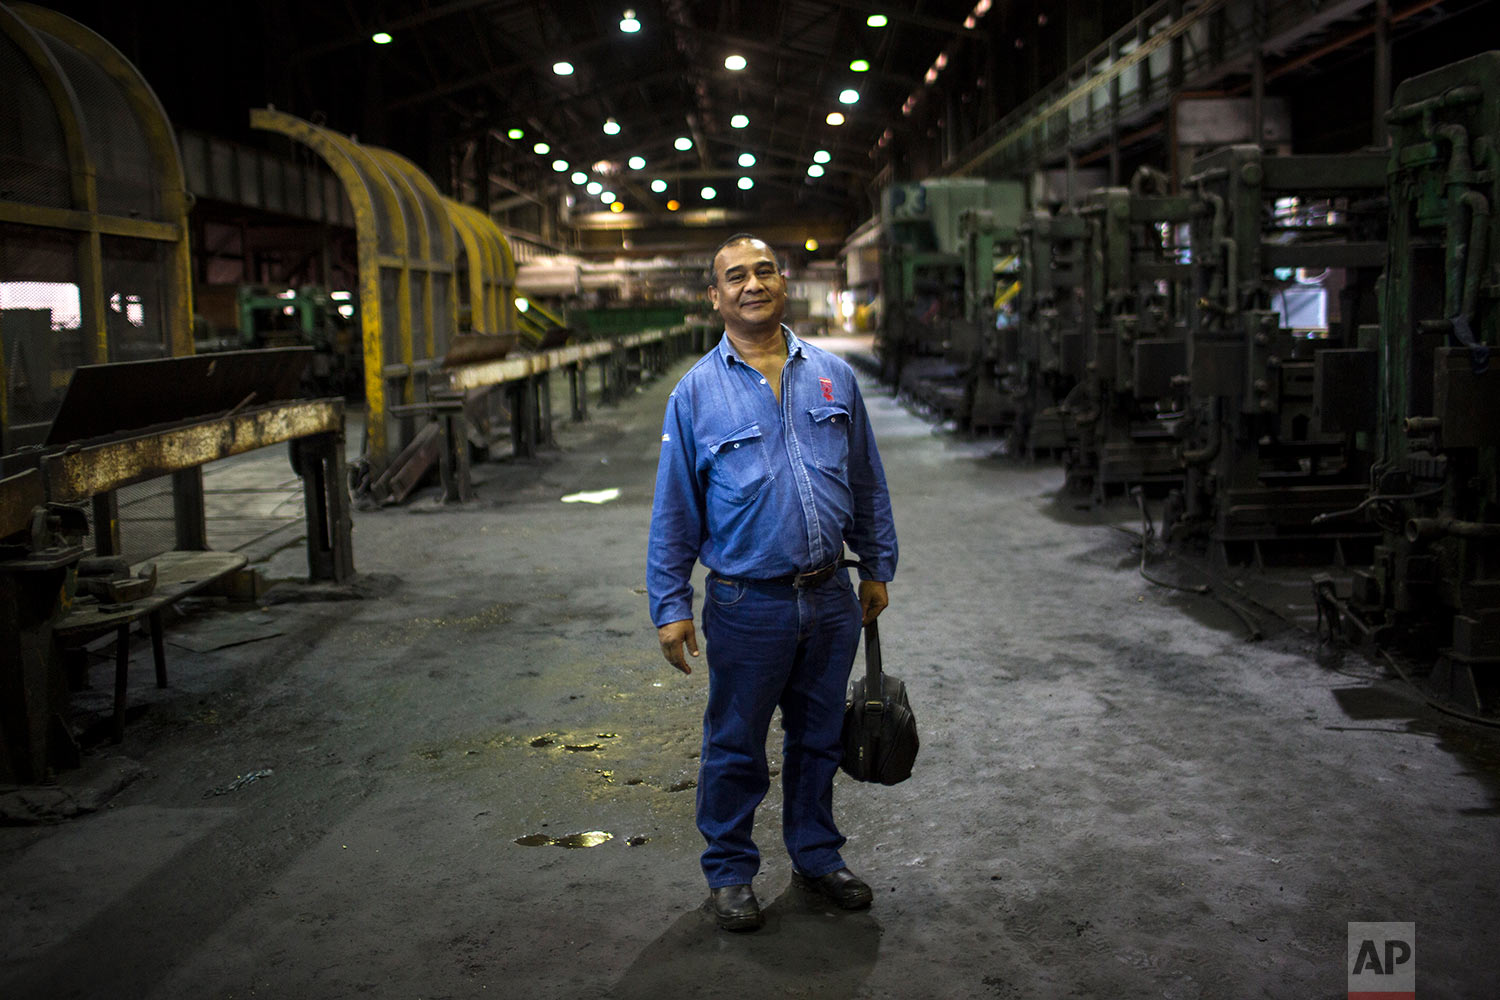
842, 886
735, 907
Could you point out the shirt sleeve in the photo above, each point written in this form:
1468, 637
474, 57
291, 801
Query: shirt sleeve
678, 523
873, 534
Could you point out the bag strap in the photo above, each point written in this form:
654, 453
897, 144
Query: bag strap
874, 689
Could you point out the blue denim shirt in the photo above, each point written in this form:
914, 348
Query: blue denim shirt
756, 489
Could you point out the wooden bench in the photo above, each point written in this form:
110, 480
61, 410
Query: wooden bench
178, 574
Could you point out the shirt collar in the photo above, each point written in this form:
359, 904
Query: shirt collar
730, 355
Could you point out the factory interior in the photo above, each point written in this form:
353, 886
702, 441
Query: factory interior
335, 343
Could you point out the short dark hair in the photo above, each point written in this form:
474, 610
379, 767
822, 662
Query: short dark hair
713, 276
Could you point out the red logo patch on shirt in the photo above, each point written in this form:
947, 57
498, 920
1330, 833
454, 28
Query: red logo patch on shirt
827, 384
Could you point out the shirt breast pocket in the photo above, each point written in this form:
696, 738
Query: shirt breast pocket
739, 468
830, 437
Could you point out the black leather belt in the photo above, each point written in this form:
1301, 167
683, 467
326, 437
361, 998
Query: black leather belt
798, 581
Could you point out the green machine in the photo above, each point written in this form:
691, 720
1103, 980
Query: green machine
1276, 437
307, 316
1434, 583
1043, 354
923, 282
1135, 338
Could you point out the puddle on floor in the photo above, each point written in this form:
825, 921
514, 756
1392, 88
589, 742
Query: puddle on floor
591, 838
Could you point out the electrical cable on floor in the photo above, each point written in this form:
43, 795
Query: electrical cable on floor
1434, 703
1148, 533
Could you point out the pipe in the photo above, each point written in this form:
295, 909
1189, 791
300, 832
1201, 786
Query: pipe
1232, 266
1426, 528
1479, 219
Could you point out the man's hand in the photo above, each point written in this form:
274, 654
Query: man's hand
872, 600
674, 635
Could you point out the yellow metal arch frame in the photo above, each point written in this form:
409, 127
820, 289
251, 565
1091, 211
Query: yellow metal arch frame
408, 303
492, 270
21, 25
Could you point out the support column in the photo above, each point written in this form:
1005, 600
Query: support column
1380, 136
189, 516
330, 545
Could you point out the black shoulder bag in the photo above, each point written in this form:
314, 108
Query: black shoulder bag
880, 731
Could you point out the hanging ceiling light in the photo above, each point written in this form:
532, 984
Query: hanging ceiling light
611, 127
561, 166
834, 118
746, 183
516, 133
683, 143
562, 68
860, 66
822, 156
594, 187
541, 149
850, 96
747, 159
735, 62
629, 24
579, 177
739, 121
381, 38
708, 194
814, 170
658, 185
876, 21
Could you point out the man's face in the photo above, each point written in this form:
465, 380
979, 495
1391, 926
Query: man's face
748, 291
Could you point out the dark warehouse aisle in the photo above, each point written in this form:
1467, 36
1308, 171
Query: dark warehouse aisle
1118, 796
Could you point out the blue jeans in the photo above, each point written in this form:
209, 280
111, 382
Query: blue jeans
770, 645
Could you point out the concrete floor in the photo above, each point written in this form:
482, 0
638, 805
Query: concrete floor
1117, 796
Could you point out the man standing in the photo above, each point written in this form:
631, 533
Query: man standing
768, 467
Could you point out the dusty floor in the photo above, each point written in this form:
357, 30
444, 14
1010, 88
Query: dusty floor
1117, 795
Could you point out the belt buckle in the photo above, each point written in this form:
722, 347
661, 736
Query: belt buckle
811, 578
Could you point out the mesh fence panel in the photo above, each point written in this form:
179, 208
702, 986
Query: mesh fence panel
39, 319
135, 299
147, 527
33, 160
122, 160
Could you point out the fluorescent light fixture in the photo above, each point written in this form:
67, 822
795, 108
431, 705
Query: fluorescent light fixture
541, 149
708, 194
860, 66
834, 118
608, 197
381, 38
683, 143
516, 133
850, 96
611, 127
579, 177
822, 156
746, 183
739, 121
747, 159
815, 170
876, 21
658, 185
629, 24
637, 163
735, 62
594, 187
561, 166
562, 68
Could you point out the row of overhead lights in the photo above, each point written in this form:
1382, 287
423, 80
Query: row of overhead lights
941, 62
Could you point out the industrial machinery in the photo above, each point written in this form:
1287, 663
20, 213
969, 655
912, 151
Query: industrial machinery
923, 280
307, 316
977, 343
1434, 582
1136, 338
1278, 427
1043, 353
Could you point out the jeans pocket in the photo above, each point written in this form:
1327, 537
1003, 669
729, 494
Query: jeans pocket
725, 593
